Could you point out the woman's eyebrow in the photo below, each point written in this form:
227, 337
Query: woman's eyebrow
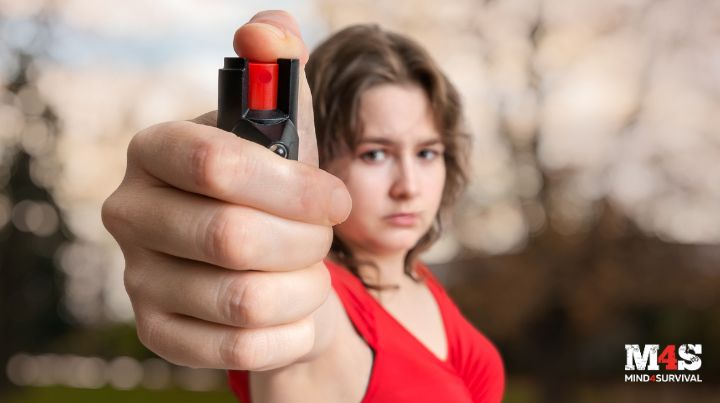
386, 141
431, 142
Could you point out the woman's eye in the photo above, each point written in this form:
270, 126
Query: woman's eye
373, 155
428, 154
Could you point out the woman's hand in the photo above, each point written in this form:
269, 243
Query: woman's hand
223, 239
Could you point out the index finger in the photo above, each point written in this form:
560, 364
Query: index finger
212, 162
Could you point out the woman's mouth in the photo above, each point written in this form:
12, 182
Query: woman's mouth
402, 219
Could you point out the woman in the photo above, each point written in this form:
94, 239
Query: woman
239, 269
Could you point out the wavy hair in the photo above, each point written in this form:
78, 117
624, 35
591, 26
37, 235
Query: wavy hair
356, 59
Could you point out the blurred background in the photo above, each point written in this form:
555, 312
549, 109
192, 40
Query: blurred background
592, 221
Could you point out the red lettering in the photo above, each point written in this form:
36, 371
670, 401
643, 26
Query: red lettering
667, 357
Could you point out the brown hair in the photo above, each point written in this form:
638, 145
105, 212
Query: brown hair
350, 62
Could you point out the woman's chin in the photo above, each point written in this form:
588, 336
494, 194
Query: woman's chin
396, 241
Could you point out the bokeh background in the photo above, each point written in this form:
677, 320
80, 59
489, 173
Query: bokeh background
592, 221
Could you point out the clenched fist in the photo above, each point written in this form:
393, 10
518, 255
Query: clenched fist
224, 240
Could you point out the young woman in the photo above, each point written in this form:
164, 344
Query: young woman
238, 259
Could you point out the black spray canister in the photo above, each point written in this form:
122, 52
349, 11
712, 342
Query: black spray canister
258, 102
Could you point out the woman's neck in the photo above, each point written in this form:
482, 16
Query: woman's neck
390, 269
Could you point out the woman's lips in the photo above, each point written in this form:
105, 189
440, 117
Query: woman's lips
402, 219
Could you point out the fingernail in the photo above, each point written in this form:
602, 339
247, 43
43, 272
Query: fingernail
278, 31
340, 200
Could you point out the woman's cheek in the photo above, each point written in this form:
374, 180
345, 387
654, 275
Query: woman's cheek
366, 208
370, 188
436, 184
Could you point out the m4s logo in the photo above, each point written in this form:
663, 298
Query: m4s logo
648, 358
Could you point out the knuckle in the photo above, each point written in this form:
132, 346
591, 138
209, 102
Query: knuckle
205, 159
254, 351
216, 168
116, 215
137, 143
109, 213
226, 240
132, 282
241, 351
149, 331
240, 301
248, 309
142, 327
140, 141
136, 278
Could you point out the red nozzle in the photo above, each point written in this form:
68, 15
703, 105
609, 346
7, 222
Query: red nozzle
262, 86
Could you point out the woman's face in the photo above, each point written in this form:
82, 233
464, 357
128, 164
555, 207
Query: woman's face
395, 175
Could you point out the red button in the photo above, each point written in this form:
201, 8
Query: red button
262, 88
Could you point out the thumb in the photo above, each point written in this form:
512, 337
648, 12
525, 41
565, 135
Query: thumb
275, 34
270, 35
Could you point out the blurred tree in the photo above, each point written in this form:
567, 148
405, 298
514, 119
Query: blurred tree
31, 285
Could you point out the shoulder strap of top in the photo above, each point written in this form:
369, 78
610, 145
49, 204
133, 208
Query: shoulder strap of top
425, 273
355, 300
445, 303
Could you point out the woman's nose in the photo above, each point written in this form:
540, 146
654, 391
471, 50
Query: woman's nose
405, 181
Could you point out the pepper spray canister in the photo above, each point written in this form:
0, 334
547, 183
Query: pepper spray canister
258, 102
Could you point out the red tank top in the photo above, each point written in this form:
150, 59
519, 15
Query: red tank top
404, 370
